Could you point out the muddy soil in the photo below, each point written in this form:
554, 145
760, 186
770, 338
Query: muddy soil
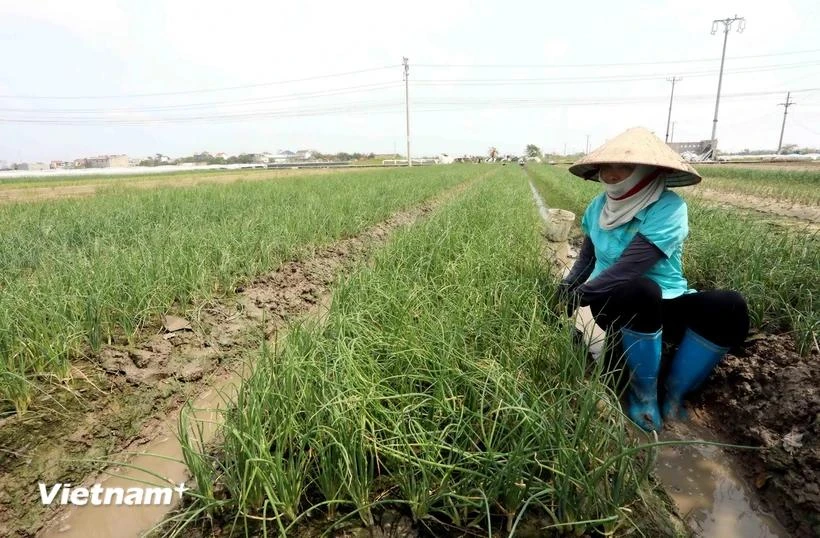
397, 522
118, 398
768, 396
804, 213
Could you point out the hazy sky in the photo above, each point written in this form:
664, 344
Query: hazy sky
225, 72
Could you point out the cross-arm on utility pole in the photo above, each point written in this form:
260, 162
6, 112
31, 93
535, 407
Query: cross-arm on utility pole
785, 106
727, 25
671, 97
407, 106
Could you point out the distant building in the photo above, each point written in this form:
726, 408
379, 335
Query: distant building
261, 157
700, 148
59, 165
80, 163
304, 154
107, 161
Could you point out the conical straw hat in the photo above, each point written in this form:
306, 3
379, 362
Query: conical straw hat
637, 146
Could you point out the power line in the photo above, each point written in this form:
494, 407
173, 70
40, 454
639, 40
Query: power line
387, 67
81, 114
809, 129
236, 102
634, 77
243, 116
197, 91
621, 64
363, 107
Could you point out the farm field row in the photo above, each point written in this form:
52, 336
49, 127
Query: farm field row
440, 392
103, 267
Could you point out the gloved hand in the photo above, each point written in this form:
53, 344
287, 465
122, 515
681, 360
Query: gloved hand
568, 297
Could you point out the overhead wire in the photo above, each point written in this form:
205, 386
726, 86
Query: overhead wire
374, 69
254, 106
236, 102
618, 64
633, 77
204, 90
420, 105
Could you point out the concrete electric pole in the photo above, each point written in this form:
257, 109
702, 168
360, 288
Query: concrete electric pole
727, 25
785, 106
587, 145
407, 106
671, 97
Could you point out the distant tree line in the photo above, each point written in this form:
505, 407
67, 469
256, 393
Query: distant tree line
793, 149
343, 156
246, 158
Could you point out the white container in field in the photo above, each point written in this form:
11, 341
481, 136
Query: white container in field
559, 224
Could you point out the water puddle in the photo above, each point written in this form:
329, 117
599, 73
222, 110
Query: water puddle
159, 463
708, 492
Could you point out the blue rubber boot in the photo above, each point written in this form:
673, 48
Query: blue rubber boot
693, 362
643, 359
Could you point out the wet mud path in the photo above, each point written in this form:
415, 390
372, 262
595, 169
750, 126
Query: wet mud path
768, 396
125, 399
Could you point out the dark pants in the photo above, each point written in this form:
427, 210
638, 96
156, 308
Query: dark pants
721, 317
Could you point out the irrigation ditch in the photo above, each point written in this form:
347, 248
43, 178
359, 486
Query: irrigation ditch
763, 395
120, 427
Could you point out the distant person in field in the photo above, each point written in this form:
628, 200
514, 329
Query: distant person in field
629, 272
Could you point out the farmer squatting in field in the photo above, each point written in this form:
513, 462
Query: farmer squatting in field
629, 271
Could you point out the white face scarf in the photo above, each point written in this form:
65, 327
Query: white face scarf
625, 199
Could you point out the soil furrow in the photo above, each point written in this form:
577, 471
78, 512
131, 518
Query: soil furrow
806, 214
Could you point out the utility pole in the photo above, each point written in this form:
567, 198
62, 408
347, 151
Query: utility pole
587, 144
785, 106
407, 106
672, 135
565, 149
669, 116
727, 25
